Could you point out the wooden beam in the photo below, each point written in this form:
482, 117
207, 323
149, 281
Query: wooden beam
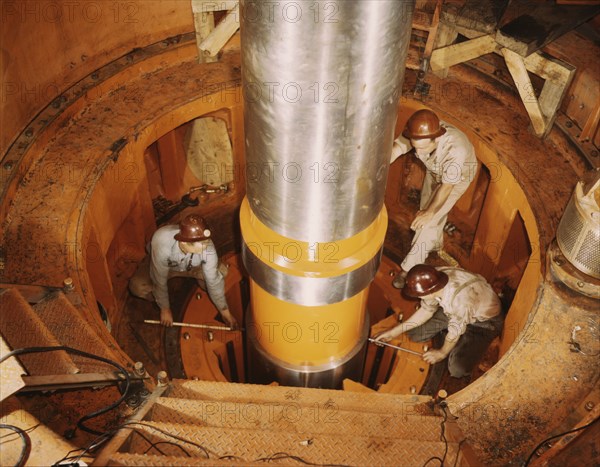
518, 71
537, 24
558, 76
481, 15
215, 41
446, 35
549, 68
462, 52
204, 23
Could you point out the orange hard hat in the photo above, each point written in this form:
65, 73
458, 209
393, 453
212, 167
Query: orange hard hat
423, 124
193, 228
423, 280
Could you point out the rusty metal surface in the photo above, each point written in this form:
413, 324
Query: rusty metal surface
293, 418
70, 329
22, 327
251, 445
10, 373
155, 460
302, 397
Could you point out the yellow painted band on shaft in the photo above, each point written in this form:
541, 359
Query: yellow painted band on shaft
311, 259
303, 335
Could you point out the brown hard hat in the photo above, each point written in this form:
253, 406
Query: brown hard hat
192, 228
423, 280
423, 124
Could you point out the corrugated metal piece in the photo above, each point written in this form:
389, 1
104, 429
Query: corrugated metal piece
67, 324
150, 460
10, 373
22, 327
251, 445
306, 397
294, 418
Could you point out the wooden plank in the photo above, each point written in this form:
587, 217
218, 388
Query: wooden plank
462, 52
558, 76
204, 23
446, 35
518, 71
215, 41
204, 6
481, 15
435, 22
538, 24
549, 68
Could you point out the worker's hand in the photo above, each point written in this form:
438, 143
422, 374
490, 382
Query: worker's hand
386, 336
229, 319
433, 356
421, 219
166, 317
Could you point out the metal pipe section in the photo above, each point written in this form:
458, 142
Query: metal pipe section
321, 84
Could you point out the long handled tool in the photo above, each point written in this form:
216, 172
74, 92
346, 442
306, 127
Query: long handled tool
395, 347
191, 325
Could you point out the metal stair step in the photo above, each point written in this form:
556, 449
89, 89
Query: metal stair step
403, 404
124, 459
253, 445
74, 332
292, 418
22, 327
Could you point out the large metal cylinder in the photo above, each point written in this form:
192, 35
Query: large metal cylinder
321, 83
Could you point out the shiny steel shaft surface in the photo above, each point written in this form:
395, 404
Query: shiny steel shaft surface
321, 84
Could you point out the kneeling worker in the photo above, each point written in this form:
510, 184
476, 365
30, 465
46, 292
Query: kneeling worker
452, 299
185, 250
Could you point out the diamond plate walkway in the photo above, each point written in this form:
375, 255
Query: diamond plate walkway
214, 423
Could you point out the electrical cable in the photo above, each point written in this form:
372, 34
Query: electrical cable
27, 430
153, 446
81, 353
284, 455
26, 448
205, 450
560, 435
442, 438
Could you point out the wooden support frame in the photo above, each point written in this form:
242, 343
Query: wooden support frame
450, 55
210, 39
558, 75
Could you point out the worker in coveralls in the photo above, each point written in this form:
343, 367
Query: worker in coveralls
460, 304
183, 250
451, 164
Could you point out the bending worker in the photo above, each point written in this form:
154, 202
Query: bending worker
450, 161
452, 299
185, 250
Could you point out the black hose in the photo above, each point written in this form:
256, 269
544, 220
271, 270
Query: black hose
82, 354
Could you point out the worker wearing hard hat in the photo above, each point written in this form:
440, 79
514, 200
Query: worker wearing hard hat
451, 164
183, 250
455, 301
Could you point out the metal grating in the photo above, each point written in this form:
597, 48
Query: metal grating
251, 446
569, 228
293, 418
24, 328
588, 256
69, 327
304, 397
